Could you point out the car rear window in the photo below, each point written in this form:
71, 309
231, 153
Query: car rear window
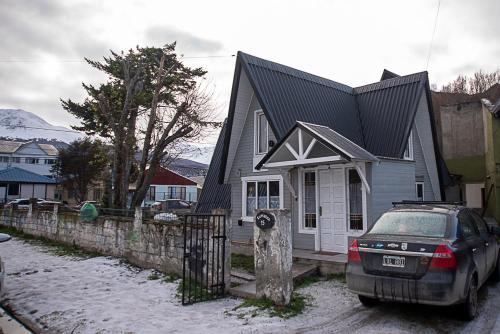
414, 223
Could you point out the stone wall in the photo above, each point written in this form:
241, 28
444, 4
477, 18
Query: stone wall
146, 244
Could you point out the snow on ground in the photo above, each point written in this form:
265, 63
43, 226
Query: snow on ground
102, 295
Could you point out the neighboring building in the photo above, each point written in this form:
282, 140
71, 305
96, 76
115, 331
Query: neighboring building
334, 155
465, 126
31, 156
19, 183
167, 184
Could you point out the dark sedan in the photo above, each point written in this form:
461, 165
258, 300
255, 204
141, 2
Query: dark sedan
432, 253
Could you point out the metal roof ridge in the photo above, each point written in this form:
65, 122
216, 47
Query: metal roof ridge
334, 84
389, 83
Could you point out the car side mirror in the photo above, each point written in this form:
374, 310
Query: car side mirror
4, 237
495, 230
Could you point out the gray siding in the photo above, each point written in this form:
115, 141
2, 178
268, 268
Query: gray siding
421, 173
392, 181
300, 240
424, 132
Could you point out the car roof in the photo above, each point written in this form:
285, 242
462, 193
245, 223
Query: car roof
446, 208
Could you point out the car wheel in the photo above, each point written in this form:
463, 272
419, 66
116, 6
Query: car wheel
495, 276
367, 301
469, 308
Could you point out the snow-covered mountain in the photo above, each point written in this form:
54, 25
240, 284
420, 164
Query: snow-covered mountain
21, 124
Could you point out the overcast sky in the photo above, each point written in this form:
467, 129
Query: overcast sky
43, 42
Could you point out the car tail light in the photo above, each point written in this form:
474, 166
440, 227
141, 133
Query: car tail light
443, 257
353, 254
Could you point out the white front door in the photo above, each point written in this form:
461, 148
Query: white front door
333, 228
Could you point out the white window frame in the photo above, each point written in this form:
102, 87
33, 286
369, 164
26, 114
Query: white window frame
258, 178
409, 146
302, 228
423, 190
256, 133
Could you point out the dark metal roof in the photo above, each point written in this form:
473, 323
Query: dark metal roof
388, 75
387, 110
214, 195
288, 95
19, 175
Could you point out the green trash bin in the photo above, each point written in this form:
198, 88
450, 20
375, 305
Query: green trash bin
88, 213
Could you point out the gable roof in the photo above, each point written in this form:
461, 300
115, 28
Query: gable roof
7, 146
215, 195
165, 176
19, 175
326, 136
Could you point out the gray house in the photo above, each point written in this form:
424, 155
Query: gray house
334, 155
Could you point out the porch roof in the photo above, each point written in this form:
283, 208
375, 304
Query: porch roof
338, 148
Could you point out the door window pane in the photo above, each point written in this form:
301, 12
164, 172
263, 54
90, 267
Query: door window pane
251, 192
466, 226
355, 201
310, 199
420, 191
274, 194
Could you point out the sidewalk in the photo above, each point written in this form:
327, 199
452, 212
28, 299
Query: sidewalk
9, 325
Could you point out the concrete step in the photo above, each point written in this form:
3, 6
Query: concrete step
248, 290
242, 275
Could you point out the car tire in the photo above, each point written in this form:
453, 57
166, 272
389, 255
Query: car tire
368, 301
495, 276
469, 307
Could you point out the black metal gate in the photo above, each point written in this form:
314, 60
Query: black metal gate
203, 266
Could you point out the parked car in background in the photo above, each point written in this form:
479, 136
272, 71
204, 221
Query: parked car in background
176, 206
22, 203
3, 238
425, 253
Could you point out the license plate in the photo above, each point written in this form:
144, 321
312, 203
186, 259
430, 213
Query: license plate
393, 261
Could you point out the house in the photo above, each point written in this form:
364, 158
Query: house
31, 156
463, 125
167, 184
335, 156
20, 183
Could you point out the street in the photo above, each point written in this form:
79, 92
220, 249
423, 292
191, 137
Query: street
64, 294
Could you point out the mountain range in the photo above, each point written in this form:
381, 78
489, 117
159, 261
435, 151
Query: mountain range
21, 124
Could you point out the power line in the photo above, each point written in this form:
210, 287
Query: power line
39, 128
433, 34
84, 61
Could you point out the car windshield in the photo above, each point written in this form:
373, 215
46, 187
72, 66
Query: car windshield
414, 223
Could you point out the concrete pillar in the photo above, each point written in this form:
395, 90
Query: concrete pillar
273, 255
227, 253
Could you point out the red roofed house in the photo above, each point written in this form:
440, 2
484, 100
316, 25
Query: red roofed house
167, 184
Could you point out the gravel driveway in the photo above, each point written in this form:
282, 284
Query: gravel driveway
63, 294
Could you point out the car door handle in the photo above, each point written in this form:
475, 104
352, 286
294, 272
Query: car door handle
474, 249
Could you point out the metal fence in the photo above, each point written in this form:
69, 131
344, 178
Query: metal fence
204, 258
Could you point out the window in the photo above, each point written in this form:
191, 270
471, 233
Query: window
32, 161
13, 189
50, 161
4, 159
177, 193
466, 226
480, 223
261, 133
150, 195
310, 200
16, 160
421, 224
408, 155
355, 190
261, 193
419, 190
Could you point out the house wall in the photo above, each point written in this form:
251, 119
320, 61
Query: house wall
392, 181
30, 150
